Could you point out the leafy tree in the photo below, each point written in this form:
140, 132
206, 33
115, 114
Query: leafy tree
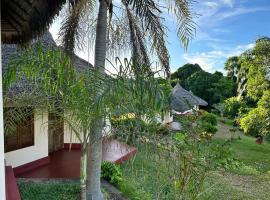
232, 67
232, 107
253, 74
213, 88
182, 73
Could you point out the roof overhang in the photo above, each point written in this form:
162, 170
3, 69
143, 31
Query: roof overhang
23, 20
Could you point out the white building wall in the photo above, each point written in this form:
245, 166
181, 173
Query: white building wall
71, 137
40, 148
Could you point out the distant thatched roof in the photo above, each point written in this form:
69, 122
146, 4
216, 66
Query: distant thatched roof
46, 41
183, 100
22, 20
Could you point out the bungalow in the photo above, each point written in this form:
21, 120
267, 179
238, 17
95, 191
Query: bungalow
183, 101
21, 20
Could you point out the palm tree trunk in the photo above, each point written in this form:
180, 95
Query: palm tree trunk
83, 167
95, 142
94, 162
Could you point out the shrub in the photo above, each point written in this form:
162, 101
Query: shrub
111, 172
232, 106
254, 122
209, 118
208, 122
257, 121
209, 128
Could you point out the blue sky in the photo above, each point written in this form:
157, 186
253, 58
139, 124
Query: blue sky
225, 28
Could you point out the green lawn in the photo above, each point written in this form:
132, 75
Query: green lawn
246, 149
52, 191
49, 191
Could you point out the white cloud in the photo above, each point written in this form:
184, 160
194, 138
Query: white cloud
229, 3
212, 60
238, 11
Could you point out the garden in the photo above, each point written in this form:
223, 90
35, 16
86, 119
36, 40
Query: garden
221, 146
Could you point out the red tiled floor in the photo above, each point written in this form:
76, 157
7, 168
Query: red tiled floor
66, 164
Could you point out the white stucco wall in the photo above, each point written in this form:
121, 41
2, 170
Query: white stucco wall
40, 148
70, 136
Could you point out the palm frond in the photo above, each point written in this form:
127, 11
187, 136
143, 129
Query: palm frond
186, 26
70, 33
140, 54
149, 12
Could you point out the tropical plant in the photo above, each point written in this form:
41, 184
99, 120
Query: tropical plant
139, 20
111, 172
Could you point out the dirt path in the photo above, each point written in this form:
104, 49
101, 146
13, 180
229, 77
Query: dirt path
225, 133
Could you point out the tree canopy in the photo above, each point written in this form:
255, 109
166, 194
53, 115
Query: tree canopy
213, 88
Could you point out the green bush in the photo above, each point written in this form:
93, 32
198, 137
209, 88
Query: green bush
209, 118
257, 121
111, 172
208, 122
232, 106
209, 128
254, 122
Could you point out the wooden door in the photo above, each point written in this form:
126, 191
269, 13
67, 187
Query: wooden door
56, 133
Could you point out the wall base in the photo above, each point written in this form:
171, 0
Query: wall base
32, 165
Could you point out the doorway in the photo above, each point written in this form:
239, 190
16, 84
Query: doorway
56, 133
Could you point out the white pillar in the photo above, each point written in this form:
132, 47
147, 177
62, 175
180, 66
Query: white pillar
2, 154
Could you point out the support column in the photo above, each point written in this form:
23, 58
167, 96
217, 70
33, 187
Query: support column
2, 154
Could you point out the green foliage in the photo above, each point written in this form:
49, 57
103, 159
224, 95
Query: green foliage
111, 172
257, 121
52, 191
208, 122
163, 130
209, 118
213, 88
209, 128
184, 157
131, 188
252, 123
232, 67
233, 106
182, 73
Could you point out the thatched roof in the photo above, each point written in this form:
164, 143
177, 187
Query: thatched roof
183, 100
46, 41
23, 20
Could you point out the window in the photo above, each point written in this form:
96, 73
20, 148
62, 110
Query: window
19, 128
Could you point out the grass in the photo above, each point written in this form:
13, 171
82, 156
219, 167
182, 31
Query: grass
246, 149
249, 182
52, 191
49, 191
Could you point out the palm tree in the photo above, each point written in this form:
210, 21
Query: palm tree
144, 20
